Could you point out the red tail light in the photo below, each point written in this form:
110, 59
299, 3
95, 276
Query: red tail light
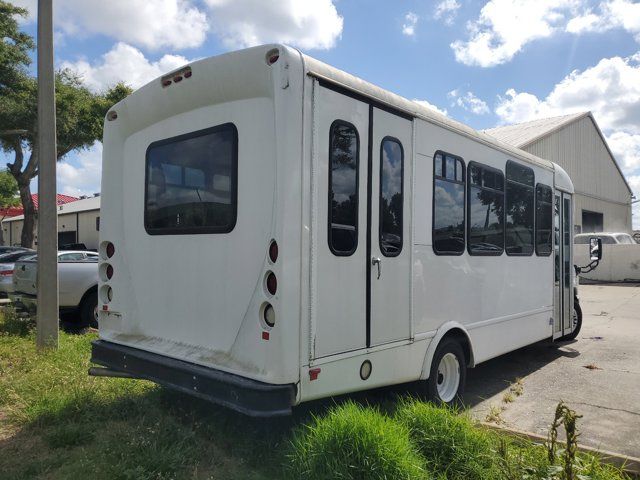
111, 250
272, 283
273, 251
109, 272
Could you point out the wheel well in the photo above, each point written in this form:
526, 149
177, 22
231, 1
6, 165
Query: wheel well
93, 289
461, 337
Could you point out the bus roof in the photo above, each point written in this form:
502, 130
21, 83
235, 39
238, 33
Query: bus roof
322, 71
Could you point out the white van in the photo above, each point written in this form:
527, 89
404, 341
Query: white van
275, 230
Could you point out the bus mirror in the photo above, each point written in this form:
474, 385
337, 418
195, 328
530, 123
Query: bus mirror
595, 248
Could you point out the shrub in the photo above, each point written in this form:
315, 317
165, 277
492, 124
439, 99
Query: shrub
451, 445
354, 442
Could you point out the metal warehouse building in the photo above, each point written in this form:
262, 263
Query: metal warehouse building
78, 222
575, 142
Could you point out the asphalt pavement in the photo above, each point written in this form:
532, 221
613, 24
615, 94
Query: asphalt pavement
598, 375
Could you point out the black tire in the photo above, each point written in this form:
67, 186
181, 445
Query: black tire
446, 346
88, 307
577, 319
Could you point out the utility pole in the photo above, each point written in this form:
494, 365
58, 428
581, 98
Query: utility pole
47, 321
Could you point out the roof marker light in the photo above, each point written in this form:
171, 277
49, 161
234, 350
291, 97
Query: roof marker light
272, 56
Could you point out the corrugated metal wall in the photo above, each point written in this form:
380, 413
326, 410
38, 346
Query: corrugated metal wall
599, 185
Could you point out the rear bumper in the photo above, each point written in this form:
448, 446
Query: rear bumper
250, 397
24, 301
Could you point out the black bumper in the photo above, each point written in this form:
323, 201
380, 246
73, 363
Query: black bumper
250, 397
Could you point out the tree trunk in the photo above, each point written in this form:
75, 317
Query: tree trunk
28, 224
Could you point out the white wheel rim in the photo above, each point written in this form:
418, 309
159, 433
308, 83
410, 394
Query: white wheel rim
95, 313
448, 377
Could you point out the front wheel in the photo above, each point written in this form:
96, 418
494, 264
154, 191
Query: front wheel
577, 322
448, 373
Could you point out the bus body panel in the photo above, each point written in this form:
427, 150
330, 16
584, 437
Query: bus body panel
169, 295
199, 298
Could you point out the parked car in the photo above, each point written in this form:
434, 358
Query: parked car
77, 284
8, 249
7, 263
73, 246
607, 238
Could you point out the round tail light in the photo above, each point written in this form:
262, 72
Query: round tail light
269, 315
109, 272
273, 251
272, 283
110, 250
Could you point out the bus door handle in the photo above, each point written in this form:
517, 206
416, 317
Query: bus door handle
378, 262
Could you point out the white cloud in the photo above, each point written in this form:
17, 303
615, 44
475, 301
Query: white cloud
612, 14
504, 27
153, 25
469, 102
123, 63
626, 148
424, 103
409, 25
304, 23
610, 90
81, 176
446, 10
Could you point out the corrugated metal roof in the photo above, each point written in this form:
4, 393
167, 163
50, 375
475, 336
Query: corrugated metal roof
523, 134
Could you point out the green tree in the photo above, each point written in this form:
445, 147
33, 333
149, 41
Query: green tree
14, 46
79, 121
8, 196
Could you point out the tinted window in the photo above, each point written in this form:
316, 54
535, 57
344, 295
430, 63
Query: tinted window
606, 239
486, 210
71, 257
91, 258
581, 240
191, 182
391, 197
343, 188
544, 212
519, 210
625, 238
448, 205
13, 257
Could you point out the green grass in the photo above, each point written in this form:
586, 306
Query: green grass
56, 422
355, 442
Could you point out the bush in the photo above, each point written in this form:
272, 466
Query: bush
354, 442
451, 445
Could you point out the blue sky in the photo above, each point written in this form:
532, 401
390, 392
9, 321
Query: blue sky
484, 63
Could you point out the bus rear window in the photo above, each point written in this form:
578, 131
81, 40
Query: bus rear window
192, 183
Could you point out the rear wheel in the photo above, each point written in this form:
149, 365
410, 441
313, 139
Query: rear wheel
89, 310
448, 374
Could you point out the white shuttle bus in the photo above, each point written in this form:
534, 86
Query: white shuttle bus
275, 230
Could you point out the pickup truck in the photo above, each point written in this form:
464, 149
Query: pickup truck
77, 284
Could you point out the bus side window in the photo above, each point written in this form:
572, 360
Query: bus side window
544, 213
519, 209
344, 157
485, 208
448, 204
391, 197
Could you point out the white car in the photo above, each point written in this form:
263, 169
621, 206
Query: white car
607, 238
7, 263
77, 284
